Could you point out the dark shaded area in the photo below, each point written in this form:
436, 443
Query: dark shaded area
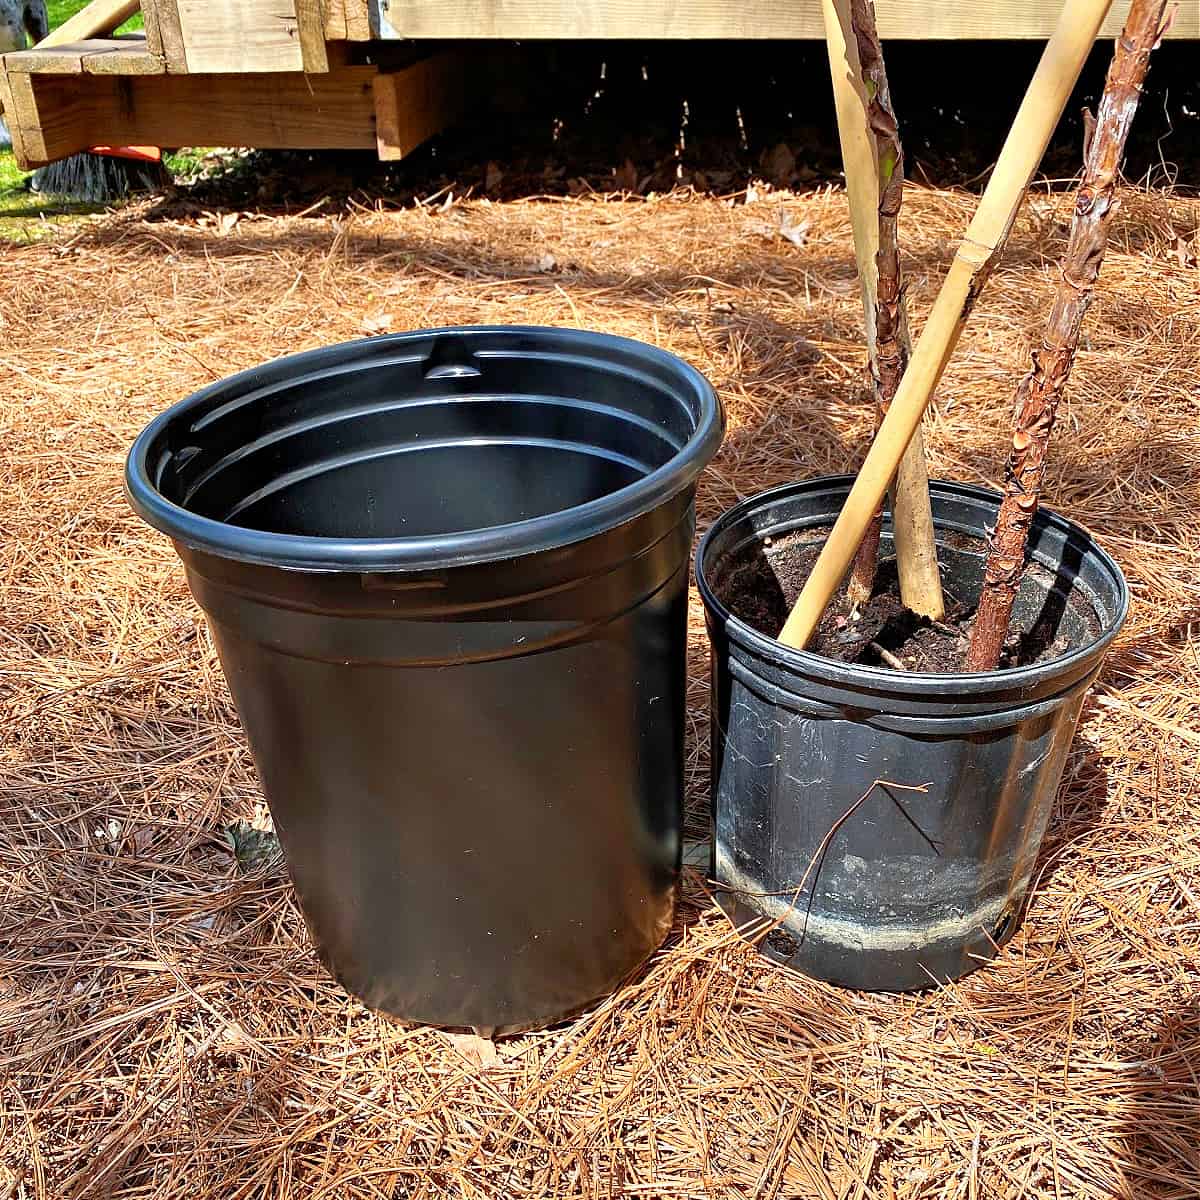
1162, 1130
567, 117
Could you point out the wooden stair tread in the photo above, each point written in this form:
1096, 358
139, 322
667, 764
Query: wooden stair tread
125, 55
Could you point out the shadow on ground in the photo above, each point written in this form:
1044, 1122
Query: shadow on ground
1162, 1093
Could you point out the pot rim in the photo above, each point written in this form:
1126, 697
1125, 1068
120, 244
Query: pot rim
550, 531
923, 683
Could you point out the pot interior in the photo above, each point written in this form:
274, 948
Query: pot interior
758, 556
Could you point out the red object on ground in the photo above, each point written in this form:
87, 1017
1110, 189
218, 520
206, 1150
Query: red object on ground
142, 153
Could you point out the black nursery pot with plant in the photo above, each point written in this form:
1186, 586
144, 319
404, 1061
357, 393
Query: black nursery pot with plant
919, 883
446, 573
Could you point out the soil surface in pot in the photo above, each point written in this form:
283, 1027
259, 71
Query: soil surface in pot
760, 584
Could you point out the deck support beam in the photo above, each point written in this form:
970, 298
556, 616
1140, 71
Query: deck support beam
417, 101
57, 115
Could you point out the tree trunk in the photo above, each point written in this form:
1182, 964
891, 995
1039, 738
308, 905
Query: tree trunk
1040, 391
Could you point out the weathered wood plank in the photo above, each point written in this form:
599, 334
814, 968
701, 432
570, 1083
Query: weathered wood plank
63, 114
310, 22
358, 20
47, 117
96, 56
124, 60
335, 20
163, 34
64, 59
226, 36
414, 103
681, 19
8, 107
154, 41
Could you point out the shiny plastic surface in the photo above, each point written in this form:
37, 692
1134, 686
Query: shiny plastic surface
909, 887
446, 573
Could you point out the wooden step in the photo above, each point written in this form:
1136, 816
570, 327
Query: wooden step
126, 55
54, 112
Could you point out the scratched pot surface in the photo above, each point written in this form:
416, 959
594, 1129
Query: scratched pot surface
886, 823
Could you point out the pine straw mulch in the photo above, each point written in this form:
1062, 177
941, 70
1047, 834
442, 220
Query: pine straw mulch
165, 1029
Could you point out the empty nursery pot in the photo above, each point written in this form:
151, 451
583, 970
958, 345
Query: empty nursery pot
446, 574
905, 888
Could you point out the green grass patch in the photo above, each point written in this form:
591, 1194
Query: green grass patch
11, 176
185, 162
24, 215
60, 10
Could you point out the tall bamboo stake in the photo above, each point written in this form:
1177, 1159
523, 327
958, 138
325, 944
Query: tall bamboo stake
1040, 391
873, 160
1061, 62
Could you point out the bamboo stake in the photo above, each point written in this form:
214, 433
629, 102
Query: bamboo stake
1040, 391
873, 161
1061, 62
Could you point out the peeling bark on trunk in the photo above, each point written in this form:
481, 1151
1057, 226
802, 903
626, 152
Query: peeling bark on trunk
1039, 393
861, 583
891, 345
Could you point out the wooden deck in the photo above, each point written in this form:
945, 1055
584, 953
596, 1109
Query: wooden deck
287, 74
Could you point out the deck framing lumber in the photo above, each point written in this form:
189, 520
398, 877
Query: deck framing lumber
349, 107
164, 37
95, 56
759, 19
414, 103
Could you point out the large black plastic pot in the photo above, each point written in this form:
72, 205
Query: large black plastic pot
446, 574
911, 887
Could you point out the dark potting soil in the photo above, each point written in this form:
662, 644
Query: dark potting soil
760, 584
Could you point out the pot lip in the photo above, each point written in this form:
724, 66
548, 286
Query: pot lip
551, 531
925, 683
